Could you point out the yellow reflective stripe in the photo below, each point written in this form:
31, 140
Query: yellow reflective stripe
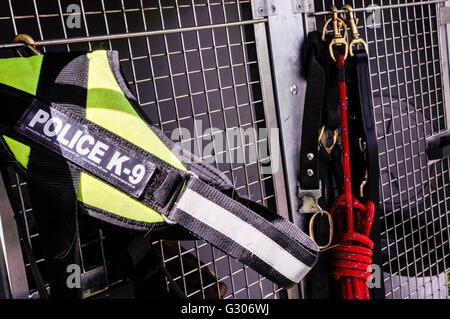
21, 73
20, 151
107, 106
99, 194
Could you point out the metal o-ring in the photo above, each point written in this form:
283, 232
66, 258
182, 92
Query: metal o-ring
331, 228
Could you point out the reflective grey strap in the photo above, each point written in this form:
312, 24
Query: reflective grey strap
275, 248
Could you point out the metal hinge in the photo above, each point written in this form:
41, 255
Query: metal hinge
263, 8
444, 15
302, 6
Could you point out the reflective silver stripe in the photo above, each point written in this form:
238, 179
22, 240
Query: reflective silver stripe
242, 233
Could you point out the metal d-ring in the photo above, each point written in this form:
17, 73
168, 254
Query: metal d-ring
331, 228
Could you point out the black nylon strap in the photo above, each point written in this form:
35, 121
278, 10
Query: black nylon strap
148, 271
363, 126
321, 108
321, 105
312, 114
439, 150
63, 79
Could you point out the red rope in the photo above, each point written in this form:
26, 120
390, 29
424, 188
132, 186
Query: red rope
352, 258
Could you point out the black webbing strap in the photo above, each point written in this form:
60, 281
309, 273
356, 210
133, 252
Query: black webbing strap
266, 242
312, 112
149, 272
321, 105
368, 124
362, 125
63, 79
321, 108
439, 150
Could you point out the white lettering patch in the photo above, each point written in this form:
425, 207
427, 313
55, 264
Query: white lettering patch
97, 153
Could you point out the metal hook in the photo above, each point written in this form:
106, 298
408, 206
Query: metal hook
28, 41
363, 183
338, 38
322, 140
353, 22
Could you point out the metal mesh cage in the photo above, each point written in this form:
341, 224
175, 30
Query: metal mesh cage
196, 79
408, 96
208, 76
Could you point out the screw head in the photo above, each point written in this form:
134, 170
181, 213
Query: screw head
261, 10
310, 172
310, 156
293, 89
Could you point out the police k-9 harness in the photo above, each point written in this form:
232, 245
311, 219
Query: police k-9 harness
72, 127
338, 97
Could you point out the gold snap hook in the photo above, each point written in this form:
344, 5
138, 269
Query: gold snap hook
363, 183
338, 39
353, 22
28, 41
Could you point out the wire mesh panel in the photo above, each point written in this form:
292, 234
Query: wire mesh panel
203, 80
407, 91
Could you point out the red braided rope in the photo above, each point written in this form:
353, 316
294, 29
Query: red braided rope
352, 258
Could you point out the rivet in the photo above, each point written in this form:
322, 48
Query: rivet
310, 172
310, 156
293, 89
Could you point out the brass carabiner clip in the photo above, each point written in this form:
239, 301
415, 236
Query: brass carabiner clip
28, 41
363, 183
322, 140
338, 38
353, 22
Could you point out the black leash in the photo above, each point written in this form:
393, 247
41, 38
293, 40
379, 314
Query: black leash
364, 147
321, 174
321, 177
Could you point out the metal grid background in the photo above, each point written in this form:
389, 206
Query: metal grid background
209, 76
407, 91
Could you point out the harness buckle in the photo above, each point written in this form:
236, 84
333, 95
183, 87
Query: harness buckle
310, 199
353, 22
338, 38
176, 196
